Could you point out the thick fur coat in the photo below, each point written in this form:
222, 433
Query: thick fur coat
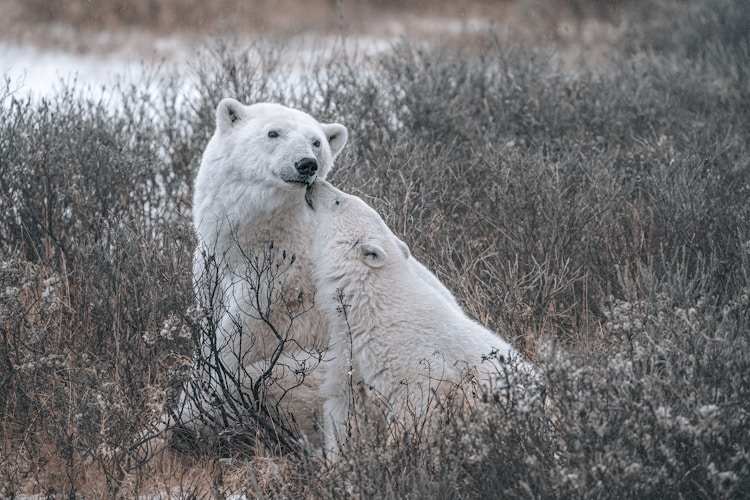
252, 269
394, 327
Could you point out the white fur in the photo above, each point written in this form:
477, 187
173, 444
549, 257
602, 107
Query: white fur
402, 333
248, 193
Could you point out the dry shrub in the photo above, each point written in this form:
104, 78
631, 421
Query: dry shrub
597, 218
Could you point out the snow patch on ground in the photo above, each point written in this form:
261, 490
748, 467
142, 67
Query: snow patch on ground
40, 73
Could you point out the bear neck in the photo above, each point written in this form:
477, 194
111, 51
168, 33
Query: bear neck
370, 300
283, 219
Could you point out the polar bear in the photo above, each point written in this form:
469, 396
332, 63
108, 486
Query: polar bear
251, 267
394, 328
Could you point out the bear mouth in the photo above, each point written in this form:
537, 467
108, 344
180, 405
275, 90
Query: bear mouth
300, 180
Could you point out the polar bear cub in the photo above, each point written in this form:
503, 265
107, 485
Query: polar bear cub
251, 265
394, 327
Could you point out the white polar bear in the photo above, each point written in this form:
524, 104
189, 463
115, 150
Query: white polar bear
394, 327
251, 267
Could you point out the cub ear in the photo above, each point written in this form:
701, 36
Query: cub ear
403, 247
372, 254
337, 136
229, 113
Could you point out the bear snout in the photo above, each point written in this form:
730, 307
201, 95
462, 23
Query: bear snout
306, 166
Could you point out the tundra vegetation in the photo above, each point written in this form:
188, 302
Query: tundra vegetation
594, 212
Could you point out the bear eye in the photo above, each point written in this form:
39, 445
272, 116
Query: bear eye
316, 143
337, 202
273, 134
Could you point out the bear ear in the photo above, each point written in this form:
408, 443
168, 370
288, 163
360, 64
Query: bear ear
372, 254
337, 136
403, 247
229, 113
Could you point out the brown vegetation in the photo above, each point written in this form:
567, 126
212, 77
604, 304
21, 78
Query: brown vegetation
79, 24
597, 218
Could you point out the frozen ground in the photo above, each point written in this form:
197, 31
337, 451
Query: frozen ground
37, 72
36, 59
42, 71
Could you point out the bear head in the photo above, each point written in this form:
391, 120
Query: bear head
351, 239
272, 145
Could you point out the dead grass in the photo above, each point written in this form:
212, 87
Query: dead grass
597, 218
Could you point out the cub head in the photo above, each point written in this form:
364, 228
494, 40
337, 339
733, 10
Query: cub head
350, 235
273, 145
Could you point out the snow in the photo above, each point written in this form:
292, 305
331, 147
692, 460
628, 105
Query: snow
40, 73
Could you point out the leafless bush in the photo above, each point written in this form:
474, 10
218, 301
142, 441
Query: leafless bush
597, 218
657, 414
231, 398
92, 263
76, 404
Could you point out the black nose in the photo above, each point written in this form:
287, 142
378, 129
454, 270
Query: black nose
307, 166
